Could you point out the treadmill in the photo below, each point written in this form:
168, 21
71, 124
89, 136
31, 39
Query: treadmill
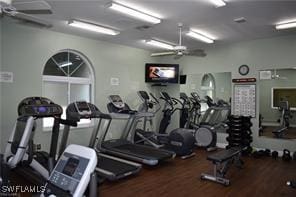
123, 147
108, 167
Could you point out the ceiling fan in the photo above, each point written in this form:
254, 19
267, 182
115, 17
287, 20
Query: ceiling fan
24, 11
275, 75
180, 50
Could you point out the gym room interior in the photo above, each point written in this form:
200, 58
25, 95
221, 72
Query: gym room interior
199, 94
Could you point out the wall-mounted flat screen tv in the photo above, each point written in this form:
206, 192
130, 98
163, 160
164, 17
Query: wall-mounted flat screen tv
161, 73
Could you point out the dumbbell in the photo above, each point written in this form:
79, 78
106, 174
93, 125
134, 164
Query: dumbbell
274, 154
267, 152
294, 156
286, 155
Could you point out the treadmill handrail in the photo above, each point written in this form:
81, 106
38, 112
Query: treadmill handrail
119, 116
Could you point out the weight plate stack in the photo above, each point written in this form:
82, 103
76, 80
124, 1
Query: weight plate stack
239, 132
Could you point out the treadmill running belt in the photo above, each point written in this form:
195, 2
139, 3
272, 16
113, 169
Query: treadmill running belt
146, 152
114, 166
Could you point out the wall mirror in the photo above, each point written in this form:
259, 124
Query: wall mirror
213, 90
277, 99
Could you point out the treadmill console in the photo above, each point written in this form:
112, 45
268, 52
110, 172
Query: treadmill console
39, 107
72, 173
117, 101
83, 108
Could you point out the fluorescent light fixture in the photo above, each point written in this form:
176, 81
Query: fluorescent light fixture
5, 2
159, 44
218, 3
286, 25
135, 13
200, 36
65, 64
93, 27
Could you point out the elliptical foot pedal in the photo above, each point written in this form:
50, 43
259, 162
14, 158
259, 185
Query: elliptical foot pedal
188, 156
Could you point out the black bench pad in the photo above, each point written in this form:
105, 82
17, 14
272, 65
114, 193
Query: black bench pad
224, 155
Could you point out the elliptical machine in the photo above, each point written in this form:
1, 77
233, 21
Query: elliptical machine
20, 154
214, 118
180, 139
185, 110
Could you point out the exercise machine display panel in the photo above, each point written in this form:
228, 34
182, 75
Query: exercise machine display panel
72, 173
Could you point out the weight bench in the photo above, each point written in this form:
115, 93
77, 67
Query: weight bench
279, 132
222, 161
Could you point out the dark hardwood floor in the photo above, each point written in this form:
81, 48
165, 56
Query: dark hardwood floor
259, 177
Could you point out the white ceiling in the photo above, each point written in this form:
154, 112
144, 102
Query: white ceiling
261, 17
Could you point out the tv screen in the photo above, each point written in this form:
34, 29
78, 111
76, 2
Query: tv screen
162, 73
283, 94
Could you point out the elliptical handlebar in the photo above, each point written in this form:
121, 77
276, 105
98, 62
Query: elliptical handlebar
172, 102
154, 98
155, 102
176, 101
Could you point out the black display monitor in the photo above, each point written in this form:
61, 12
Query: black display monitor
161, 73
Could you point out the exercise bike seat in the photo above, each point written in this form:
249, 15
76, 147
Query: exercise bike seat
224, 155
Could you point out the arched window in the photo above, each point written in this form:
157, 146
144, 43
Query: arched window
208, 88
67, 77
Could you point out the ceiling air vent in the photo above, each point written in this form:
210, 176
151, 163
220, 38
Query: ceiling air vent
143, 27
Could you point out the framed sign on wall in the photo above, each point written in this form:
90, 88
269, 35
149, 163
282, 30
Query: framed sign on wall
245, 100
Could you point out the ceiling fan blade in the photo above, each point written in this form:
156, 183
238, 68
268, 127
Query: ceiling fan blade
196, 52
163, 53
33, 7
31, 19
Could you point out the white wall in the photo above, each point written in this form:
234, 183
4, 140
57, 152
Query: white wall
26, 51
278, 52
222, 85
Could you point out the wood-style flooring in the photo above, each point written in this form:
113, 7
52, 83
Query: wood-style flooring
180, 178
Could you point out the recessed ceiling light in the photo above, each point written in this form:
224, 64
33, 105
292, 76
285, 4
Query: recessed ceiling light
93, 27
286, 24
218, 3
159, 44
134, 13
200, 36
